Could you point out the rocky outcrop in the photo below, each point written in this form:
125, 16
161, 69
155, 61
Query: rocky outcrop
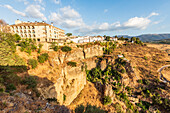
77, 54
70, 83
95, 50
66, 81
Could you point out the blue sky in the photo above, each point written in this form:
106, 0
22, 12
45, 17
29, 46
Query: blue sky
93, 17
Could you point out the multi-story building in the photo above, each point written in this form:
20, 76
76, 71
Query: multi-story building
40, 31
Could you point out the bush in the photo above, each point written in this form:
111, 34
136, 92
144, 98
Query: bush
10, 87
30, 81
43, 57
140, 81
123, 71
66, 49
55, 48
89, 109
64, 97
145, 58
11, 79
33, 63
2, 90
72, 64
79, 109
107, 100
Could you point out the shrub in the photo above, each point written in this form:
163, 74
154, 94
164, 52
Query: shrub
89, 109
118, 108
145, 58
2, 90
30, 81
43, 57
64, 97
11, 78
66, 49
10, 87
72, 64
33, 63
140, 81
123, 71
55, 48
79, 109
107, 100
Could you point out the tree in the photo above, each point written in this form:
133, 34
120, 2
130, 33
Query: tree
116, 36
107, 38
133, 39
17, 37
69, 34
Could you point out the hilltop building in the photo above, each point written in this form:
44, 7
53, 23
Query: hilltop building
40, 31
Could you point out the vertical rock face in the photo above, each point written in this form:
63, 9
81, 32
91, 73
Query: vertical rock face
75, 55
67, 81
73, 82
93, 51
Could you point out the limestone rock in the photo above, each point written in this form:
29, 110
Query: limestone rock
75, 55
95, 50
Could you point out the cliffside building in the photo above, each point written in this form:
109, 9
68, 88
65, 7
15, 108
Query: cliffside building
40, 31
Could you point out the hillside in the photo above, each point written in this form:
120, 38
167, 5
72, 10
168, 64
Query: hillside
150, 37
100, 77
163, 41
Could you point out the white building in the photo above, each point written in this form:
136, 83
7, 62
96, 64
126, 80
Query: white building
40, 31
83, 39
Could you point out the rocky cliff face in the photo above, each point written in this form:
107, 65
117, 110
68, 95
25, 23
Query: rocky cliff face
67, 81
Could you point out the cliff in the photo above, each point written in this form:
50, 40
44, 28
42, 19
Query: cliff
68, 81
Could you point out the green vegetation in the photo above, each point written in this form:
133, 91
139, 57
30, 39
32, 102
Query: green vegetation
107, 100
64, 97
40, 47
66, 49
88, 109
28, 45
54, 46
10, 87
145, 58
72, 64
43, 57
30, 81
68, 34
7, 51
33, 63
109, 47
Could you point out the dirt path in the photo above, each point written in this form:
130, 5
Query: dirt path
162, 78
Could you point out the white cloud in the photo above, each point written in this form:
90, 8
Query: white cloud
67, 17
40, 1
139, 23
153, 14
14, 10
106, 10
68, 12
57, 1
34, 11
25, 1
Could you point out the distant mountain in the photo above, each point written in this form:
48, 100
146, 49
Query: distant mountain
152, 37
162, 41
149, 37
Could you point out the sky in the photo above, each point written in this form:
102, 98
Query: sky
93, 17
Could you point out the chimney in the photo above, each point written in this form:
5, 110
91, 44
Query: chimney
52, 23
18, 21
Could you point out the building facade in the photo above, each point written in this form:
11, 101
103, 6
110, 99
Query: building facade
40, 31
